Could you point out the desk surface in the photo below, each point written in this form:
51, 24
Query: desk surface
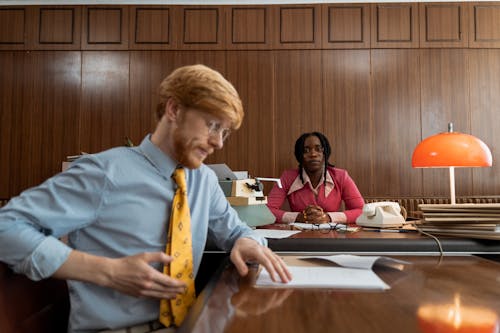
379, 242
365, 242
232, 304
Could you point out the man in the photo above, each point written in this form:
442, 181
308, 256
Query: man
115, 207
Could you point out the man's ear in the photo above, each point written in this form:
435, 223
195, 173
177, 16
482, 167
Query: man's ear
172, 110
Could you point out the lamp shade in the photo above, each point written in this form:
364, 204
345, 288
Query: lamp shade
451, 149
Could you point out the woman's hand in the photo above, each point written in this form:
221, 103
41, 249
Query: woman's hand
314, 214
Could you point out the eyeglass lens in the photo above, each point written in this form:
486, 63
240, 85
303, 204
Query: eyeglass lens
215, 128
317, 149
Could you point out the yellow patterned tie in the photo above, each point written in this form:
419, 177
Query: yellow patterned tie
179, 246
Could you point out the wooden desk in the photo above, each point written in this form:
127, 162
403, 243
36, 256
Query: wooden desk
368, 242
231, 304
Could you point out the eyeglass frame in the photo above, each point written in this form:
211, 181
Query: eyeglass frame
215, 128
317, 149
333, 226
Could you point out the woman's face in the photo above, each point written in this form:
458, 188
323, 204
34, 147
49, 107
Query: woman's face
314, 158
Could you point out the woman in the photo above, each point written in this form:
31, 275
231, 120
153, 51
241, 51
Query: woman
316, 189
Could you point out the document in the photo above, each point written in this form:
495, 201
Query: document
361, 262
326, 277
355, 273
275, 234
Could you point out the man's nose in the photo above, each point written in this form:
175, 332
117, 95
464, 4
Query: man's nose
216, 140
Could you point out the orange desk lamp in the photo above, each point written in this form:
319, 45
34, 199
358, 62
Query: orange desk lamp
449, 150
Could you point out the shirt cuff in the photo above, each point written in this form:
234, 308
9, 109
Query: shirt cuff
332, 217
337, 217
289, 217
47, 257
261, 240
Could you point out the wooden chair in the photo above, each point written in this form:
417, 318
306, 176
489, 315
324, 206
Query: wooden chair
32, 307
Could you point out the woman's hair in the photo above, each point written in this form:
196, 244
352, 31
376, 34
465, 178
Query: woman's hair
204, 89
299, 151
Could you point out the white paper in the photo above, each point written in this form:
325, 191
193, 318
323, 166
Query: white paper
361, 262
276, 234
325, 277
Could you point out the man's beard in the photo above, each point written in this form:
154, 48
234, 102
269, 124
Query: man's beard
182, 151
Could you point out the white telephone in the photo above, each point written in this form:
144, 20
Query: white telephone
384, 214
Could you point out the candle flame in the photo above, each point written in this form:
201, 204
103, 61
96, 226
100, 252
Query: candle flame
454, 314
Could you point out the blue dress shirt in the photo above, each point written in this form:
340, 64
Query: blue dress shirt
112, 204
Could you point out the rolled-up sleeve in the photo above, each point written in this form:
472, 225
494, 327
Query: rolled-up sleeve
32, 223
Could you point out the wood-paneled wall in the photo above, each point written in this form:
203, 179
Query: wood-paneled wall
375, 78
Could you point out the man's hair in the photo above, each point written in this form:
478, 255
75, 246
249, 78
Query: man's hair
204, 89
299, 151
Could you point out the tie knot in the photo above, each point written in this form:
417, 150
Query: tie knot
180, 178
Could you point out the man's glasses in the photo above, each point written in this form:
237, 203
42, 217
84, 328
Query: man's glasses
215, 128
317, 149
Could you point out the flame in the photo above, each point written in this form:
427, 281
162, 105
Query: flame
454, 314
457, 317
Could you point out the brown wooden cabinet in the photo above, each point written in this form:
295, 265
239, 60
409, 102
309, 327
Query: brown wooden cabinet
444, 95
244, 27
484, 25
443, 25
395, 77
346, 86
394, 25
353, 71
54, 28
7, 79
13, 28
249, 27
201, 27
151, 28
346, 26
297, 27
105, 28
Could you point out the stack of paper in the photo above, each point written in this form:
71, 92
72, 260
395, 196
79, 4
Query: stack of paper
464, 220
355, 272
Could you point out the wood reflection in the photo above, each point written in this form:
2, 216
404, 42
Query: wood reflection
236, 305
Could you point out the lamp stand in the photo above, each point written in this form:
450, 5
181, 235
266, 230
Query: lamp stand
452, 185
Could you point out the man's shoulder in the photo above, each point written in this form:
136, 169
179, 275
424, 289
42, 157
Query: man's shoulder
115, 152
203, 172
108, 159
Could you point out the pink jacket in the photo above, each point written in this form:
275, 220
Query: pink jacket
344, 189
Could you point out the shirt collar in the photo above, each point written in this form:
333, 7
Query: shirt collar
297, 183
161, 161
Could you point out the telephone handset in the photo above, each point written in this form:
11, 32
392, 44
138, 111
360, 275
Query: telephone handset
383, 214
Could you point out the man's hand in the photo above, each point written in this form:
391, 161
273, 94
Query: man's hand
247, 249
134, 276
131, 275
